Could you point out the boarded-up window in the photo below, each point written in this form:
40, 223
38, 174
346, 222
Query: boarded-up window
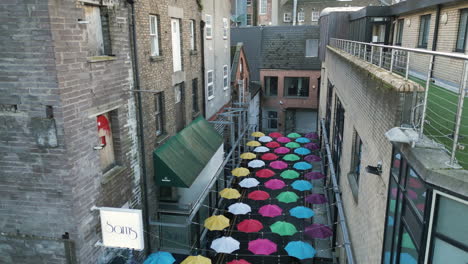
98, 29
311, 48
106, 152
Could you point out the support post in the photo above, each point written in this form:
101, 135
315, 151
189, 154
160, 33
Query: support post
392, 60
426, 93
461, 99
407, 65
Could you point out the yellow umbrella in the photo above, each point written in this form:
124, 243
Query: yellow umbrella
240, 172
253, 143
230, 193
216, 222
248, 155
258, 134
196, 260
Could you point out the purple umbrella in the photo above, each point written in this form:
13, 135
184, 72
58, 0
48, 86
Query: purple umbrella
318, 231
282, 150
275, 184
314, 175
312, 135
312, 158
279, 165
311, 146
283, 140
316, 198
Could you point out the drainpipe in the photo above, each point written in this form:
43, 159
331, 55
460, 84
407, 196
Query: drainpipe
202, 55
294, 12
436, 32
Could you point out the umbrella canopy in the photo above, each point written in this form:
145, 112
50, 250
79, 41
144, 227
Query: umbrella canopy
261, 149
258, 195
301, 212
302, 185
270, 210
216, 222
253, 143
302, 140
282, 150
257, 134
290, 174
302, 166
275, 135
240, 172
248, 155
160, 257
275, 184
262, 247
272, 144
292, 145
312, 135
283, 228
312, 146
196, 260
265, 139
283, 140
293, 135
269, 156
265, 173
249, 183
414, 183
239, 261
230, 193
291, 157
407, 258
239, 209
312, 158
287, 197
316, 198
279, 165
302, 151
314, 175
256, 164
225, 245
300, 250
249, 226
318, 231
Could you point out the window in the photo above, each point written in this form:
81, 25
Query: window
98, 29
209, 84
296, 86
159, 112
378, 33
356, 158
106, 140
225, 28
195, 108
271, 85
193, 45
399, 33
154, 35
241, 91
208, 27
272, 119
425, 22
300, 16
176, 45
263, 7
287, 17
225, 77
311, 48
462, 31
249, 19
249, 2
315, 16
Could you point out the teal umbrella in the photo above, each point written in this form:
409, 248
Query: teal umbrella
300, 250
292, 145
290, 174
287, 197
302, 151
283, 228
302, 185
291, 157
293, 135
301, 212
160, 257
302, 166
302, 140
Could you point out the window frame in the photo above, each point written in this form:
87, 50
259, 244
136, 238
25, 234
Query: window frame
268, 92
195, 106
249, 2
286, 90
159, 113
210, 85
288, 14
262, 5
424, 30
309, 46
269, 119
225, 77
193, 35
300, 16
316, 17
154, 35
399, 33
248, 19
208, 26
459, 33
225, 28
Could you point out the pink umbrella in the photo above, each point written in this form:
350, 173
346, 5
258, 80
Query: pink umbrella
314, 175
265, 173
279, 165
270, 210
412, 194
283, 140
275, 184
258, 195
311, 146
282, 150
420, 207
312, 158
239, 261
275, 135
316, 198
269, 156
262, 247
414, 183
272, 144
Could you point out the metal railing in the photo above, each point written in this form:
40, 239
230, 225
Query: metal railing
437, 112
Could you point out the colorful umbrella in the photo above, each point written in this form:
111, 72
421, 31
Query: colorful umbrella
316, 198
230, 193
293, 135
216, 222
414, 183
160, 257
302, 185
225, 245
300, 250
407, 258
258, 195
302, 166
301, 212
312, 146
282, 150
250, 226
265, 173
287, 197
312, 158
249, 183
239, 261
275, 184
239, 209
269, 156
196, 260
283, 140
272, 144
291, 157
270, 210
240, 172
290, 174
248, 155
314, 175
283, 228
312, 135
257, 134
302, 151
262, 247
279, 165
265, 139
253, 143
318, 231
275, 135
292, 145
256, 164
261, 149
302, 140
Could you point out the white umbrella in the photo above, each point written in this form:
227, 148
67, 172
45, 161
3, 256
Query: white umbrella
261, 149
256, 163
265, 139
249, 183
225, 245
239, 209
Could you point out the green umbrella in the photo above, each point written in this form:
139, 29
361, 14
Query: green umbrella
283, 228
287, 197
407, 242
292, 145
291, 157
293, 135
289, 174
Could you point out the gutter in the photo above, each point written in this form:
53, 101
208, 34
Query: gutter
436, 33
202, 57
294, 12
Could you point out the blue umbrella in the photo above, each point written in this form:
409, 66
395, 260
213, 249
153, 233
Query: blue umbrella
300, 250
302, 151
301, 212
407, 258
301, 185
160, 257
302, 140
302, 166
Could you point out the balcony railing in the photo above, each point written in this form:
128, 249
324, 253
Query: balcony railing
438, 111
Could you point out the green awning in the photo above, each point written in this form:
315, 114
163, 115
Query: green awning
180, 160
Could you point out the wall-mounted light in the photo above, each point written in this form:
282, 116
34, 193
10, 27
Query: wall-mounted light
444, 18
377, 170
408, 22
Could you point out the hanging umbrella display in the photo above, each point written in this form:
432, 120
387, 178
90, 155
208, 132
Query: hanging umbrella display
248, 155
258, 195
316, 198
312, 158
253, 143
283, 228
269, 156
239, 261
318, 231
257, 134
287, 197
239, 209
275, 184
314, 175
256, 164
293, 135
160, 257
216, 222
265, 139
290, 174
291, 157
262, 247
311, 146
407, 258
302, 185
272, 144
406, 241
196, 260
300, 250
230, 193
261, 149
283, 140
282, 150
301, 212
270, 210
302, 140
414, 183
312, 135
292, 145
279, 165
250, 226
302, 166
240, 172
265, 173
249, 183
302, 151
225, 245
275, 135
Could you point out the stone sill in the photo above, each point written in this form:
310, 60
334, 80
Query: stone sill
156, 58
297, 97
112, 173
100, 58
162, 139
194, 52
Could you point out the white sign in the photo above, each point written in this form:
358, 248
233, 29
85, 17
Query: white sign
122, 228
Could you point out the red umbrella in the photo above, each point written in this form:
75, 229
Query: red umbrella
275, 135
250, 226
414, 183
269, 156
283, 140
275, 184
282, 150
239, 261
258, 195
265, 173
279, 165
270, 210
262, 247
272, 144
